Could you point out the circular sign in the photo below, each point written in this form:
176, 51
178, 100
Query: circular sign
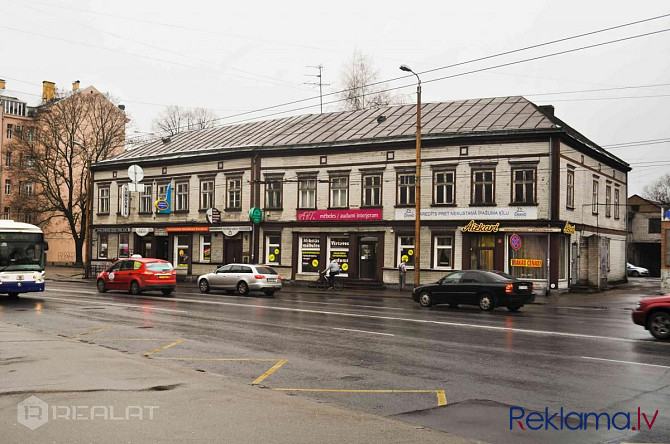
111, 276
515, 241
255, 215
315, 263
271, 257
181, 252
345, 266
162, 204
135, 173
410, 252
405, 258
276, 250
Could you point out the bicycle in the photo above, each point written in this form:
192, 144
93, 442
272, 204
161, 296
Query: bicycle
322, 282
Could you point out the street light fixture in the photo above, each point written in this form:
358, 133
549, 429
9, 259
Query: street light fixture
417, 181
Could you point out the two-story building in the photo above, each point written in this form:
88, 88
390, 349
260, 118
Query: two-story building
504, 185
644, 233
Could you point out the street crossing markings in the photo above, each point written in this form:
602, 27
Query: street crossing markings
441, 396
160, 349
92, 332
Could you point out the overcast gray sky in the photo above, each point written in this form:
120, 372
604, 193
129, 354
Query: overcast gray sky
234, 57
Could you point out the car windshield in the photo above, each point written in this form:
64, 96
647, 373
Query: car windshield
159, 266
266, 270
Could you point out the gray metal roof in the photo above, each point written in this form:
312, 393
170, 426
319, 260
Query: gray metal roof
475, 116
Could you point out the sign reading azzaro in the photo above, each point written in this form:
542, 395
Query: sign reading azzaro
474, 227
339, 215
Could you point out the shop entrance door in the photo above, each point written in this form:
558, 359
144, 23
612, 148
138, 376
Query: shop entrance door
367, 258
481, 255
232, 250
162, 248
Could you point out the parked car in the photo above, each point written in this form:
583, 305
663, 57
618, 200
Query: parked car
634, 271
654, 315
241, 278
487, 289
137, 275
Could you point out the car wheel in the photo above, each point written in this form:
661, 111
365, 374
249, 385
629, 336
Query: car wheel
514, 308
659, 324
634, 273
101, 286
425, 299
486, 302
269, 292
135, 288
167, 292
203, 285
242, 288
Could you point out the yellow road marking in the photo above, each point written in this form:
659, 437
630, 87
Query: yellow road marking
269, 372
178, 341
441, 397
97, 330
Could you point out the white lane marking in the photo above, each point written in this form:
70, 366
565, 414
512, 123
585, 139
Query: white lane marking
85, 302
585, 308
363, 331
625, 362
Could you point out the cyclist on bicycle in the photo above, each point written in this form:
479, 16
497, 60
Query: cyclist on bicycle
333, 270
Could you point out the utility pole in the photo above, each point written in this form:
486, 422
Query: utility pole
320, 84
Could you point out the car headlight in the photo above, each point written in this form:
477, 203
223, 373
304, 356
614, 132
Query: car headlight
637, 305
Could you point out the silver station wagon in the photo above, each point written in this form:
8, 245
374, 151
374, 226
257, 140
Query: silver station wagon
241, 278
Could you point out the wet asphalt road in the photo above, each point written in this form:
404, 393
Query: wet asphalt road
389, 356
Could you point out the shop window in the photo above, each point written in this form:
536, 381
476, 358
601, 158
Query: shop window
339, 192
273, 193
608, 201
523, 186
443, 251
445, 184
307, 193
206, 194
181, 196
530, 260
310, 251
482, 252
182, 252
103, 246
273, 249
406, 189
205, 248
406, 250
667, 248
124, 245
594, 197
570, 190
372, 190
483, 185
146, 204
103, 200
338, 249
616, 203
234, 193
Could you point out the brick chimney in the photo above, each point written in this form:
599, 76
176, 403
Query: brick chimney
75, 85
547, 109
48, 91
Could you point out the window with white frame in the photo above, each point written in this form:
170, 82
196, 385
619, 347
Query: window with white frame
8, 157
443, 251
372, 190
205, 248
8, 187
570, 190
616, 203
273, 249
339, 192
5, 213
594, 197
103, 199
406, 250
206, 194
483, 186
523, 186
273, 193
181, 196
124, 245
608, 200
406, 188
234, 193
443, 191
28, 188
9, 130
307, 193
103, 246
146, 204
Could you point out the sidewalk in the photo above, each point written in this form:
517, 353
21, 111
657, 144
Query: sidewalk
99, 395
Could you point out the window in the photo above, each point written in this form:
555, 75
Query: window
8, 158
9, 130
482, 187
655, 225
182, 196
443, 193
616, 203
307, 193
103, 200
28, 218
608, 201
594, 198
29, 162
30, 134
124, 245
5, 213
530, 260
406, 250
28, 188
103, 250
273, 249
206, 248
443, 251
667, 247
206, 194
372, 190
406, 189
523, 186
570, 190
234, 193
310, 251
339, 192
146, 199
273, 189
119, 197
162, 190
8, 187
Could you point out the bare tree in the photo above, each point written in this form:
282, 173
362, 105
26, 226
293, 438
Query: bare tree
55, 159
173, 120
659, 190
360, 83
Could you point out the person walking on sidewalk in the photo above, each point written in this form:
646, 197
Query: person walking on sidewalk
402, 271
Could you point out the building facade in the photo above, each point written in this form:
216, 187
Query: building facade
644, 234
504, 185
665, 250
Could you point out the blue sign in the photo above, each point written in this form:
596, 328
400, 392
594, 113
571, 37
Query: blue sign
515, 241
667, 214
163, 205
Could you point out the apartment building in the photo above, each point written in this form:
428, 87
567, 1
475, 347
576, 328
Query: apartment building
505, 185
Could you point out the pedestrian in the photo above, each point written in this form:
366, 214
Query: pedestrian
402, 271
333, 269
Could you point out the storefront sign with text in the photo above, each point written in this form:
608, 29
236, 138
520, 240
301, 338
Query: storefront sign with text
339, 215
535, 263
474, 227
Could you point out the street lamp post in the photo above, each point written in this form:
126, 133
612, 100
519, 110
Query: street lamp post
417, 182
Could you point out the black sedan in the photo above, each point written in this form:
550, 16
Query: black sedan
487, 289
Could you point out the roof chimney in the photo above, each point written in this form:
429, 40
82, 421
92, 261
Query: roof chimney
547, 109
2, 84
75, 85
48, 91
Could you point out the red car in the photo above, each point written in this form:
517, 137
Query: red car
137, 275
654, 314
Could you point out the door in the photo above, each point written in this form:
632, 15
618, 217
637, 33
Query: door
112, 274
162, 248
122, 278
482, 253
218, 278
232, 249
367, 259
182, 253
144, 245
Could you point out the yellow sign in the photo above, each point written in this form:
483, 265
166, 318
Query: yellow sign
345, 267
410, 252
474, 227
271, 258
315, 263
181, 252
405, 258
569, 229
276, 250
535, 263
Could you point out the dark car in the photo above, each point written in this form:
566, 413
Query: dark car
654, 315
137, 275
487, 289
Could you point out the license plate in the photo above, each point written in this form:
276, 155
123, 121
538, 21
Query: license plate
163, 276
19, 277
523, 287
272, 279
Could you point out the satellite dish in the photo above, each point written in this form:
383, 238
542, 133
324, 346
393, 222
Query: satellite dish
135, 173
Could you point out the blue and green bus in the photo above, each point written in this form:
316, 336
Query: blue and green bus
22, 258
